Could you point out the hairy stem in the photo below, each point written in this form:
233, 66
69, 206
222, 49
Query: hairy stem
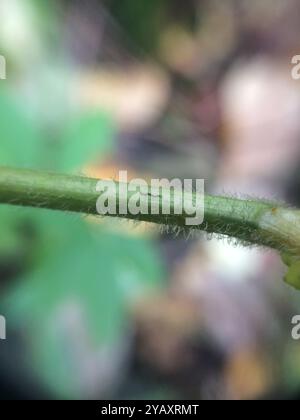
251, 221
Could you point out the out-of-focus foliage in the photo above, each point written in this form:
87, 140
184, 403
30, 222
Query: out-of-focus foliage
163, 88
76, 296
76, 280
86, 136
141, 19
20, 141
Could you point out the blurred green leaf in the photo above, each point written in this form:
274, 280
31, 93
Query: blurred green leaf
20, 146
86, 138
9, 237
140, 21
81, 286
20, 141
79, 280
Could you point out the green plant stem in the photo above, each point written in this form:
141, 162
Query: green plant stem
251, 221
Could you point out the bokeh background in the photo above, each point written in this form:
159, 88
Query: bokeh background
98, 308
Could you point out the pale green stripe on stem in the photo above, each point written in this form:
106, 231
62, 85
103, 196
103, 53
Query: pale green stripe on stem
252, 221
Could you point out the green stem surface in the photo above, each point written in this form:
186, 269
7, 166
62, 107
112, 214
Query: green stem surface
251, 221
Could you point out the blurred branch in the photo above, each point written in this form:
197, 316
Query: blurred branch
250, 221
